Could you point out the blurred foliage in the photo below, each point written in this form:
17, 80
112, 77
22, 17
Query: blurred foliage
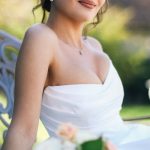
16, 16
127, 51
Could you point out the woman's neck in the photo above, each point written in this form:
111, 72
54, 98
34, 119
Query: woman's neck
66, 29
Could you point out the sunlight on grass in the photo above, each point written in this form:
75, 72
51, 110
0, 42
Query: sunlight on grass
135, 111
42, 133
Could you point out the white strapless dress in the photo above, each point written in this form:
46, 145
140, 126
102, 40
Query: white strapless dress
94, 108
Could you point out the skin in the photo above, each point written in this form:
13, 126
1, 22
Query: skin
43, 60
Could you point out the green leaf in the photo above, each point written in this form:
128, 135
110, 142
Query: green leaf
96, 144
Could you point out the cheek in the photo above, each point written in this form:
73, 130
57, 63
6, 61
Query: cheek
66, 7
73, 10
101, 3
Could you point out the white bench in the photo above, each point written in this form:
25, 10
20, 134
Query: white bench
9, 48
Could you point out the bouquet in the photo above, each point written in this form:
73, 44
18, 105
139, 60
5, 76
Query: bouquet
71, 138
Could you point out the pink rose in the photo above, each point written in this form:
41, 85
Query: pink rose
67, 131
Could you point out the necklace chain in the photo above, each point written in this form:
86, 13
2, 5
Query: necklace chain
80, 50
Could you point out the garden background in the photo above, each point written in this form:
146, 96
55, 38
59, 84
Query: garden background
124, 34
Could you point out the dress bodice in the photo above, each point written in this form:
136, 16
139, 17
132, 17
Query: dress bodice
92, 107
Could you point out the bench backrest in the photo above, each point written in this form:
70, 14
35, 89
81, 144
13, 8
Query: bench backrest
9, 48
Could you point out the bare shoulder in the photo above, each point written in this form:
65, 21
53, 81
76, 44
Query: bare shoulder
42, 32
95, 43
40, 40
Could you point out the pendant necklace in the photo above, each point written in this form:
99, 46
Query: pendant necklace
80, 49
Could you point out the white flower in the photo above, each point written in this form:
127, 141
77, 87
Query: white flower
67, 145
70, 132
50, 143
70, 138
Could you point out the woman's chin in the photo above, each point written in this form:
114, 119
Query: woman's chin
85, 18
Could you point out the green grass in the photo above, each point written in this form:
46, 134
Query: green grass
135, 111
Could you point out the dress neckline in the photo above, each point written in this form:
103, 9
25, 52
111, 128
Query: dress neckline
85, 84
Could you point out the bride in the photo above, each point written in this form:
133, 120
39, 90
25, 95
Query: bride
62, 75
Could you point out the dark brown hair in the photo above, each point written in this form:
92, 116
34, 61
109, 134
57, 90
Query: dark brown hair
46, 7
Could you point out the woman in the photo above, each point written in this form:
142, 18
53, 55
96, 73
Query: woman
63, 77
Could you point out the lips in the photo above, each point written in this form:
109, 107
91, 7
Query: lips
87, 3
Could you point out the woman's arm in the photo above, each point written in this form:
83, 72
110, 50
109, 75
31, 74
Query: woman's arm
35, 56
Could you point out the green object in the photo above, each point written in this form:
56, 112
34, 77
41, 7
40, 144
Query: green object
96, 144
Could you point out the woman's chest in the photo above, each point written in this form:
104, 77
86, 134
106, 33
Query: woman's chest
70, 67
